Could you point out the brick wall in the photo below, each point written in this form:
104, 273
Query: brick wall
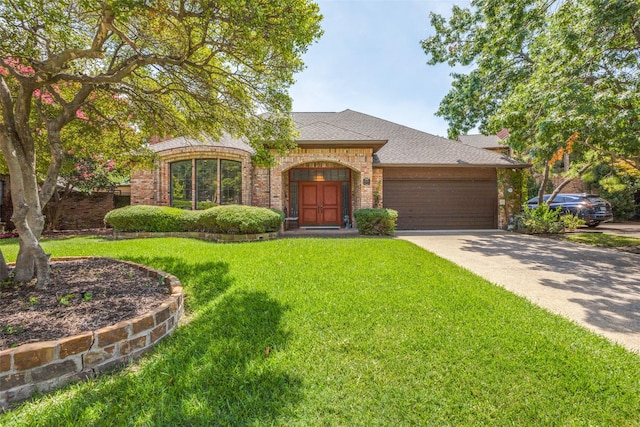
143, 187
152, 187
262, 186
80, 211
359, 160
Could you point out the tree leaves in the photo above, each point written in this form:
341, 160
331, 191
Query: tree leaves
545, 70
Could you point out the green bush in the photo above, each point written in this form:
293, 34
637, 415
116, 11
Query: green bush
207, 220
147, 218
543, 219
571, 222
182, 204
376, 222
239, 219
205, 205
228, 219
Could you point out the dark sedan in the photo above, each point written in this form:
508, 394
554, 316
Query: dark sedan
591, 208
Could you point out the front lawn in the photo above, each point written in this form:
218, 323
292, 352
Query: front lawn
602, 239
344, 332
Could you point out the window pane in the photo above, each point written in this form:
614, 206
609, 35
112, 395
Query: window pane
293, 200
181, 184
206, 183
231, 180
319, 175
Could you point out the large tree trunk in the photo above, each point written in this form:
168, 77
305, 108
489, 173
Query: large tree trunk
29, 221
27, 212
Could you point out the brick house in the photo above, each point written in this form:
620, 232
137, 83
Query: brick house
344, 161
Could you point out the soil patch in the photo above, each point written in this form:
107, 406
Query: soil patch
84, 295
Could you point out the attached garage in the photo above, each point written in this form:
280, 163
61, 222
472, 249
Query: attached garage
348, 160
442, 198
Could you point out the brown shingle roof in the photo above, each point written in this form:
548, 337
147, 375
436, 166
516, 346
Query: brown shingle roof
404, 145
481, 141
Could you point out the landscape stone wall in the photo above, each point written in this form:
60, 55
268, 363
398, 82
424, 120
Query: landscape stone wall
47, 365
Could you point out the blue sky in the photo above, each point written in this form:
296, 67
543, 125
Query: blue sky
370, 60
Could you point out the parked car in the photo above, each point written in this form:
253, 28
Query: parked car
589, 207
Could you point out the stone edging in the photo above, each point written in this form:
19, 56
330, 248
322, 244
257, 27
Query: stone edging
46, 365
211, 237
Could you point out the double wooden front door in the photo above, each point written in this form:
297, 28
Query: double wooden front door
320, 203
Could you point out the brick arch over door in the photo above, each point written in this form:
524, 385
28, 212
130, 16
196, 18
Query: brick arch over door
321, 193
357, 160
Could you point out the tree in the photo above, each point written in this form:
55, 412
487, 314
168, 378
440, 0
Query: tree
559, 74
122, 70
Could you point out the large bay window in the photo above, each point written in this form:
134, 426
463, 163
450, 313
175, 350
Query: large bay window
203, 183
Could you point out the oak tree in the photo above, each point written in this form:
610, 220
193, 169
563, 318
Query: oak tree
561, 75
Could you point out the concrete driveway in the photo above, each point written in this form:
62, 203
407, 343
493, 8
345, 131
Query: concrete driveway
627, 228
597, 288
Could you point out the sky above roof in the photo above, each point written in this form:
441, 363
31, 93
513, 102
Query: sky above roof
370, 60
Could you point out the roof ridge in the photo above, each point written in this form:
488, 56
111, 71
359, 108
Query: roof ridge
341, 128
396, 124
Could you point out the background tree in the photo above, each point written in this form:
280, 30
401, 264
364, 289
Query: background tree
84, 174
559, 74
127, 69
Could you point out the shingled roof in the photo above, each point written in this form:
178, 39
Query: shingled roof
405, 146
225, 141
394, 144
481, 141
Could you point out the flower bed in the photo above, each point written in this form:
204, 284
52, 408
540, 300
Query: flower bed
46, 365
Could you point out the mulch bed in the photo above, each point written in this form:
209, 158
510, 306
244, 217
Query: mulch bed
84, 295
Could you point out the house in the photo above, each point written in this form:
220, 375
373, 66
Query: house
344, 161
488, 142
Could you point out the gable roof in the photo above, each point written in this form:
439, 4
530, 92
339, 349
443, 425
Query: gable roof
392, 143
481, 141
406, 146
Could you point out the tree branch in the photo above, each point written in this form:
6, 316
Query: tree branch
564, 183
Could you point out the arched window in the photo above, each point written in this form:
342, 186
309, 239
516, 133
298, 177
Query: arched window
203, 183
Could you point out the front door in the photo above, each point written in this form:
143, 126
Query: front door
320, 203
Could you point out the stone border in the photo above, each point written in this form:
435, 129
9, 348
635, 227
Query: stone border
210, 237
46, 365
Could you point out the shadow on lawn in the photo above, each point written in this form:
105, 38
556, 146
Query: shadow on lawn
605, 282
214, 370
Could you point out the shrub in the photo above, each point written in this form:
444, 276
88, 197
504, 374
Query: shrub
376, 221
205, 205
181, 204
543, 219
147, 218
239, 219
229, 219
207, 220
189, 221
571, 222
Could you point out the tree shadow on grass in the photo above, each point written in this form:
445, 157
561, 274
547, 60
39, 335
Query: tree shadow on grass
214, 370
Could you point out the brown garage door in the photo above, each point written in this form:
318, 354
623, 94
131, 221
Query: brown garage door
442, 200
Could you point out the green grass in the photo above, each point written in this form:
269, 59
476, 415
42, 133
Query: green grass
602, 239
371, 332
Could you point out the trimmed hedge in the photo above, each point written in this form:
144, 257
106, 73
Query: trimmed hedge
148, 218
376, 222
228, 219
